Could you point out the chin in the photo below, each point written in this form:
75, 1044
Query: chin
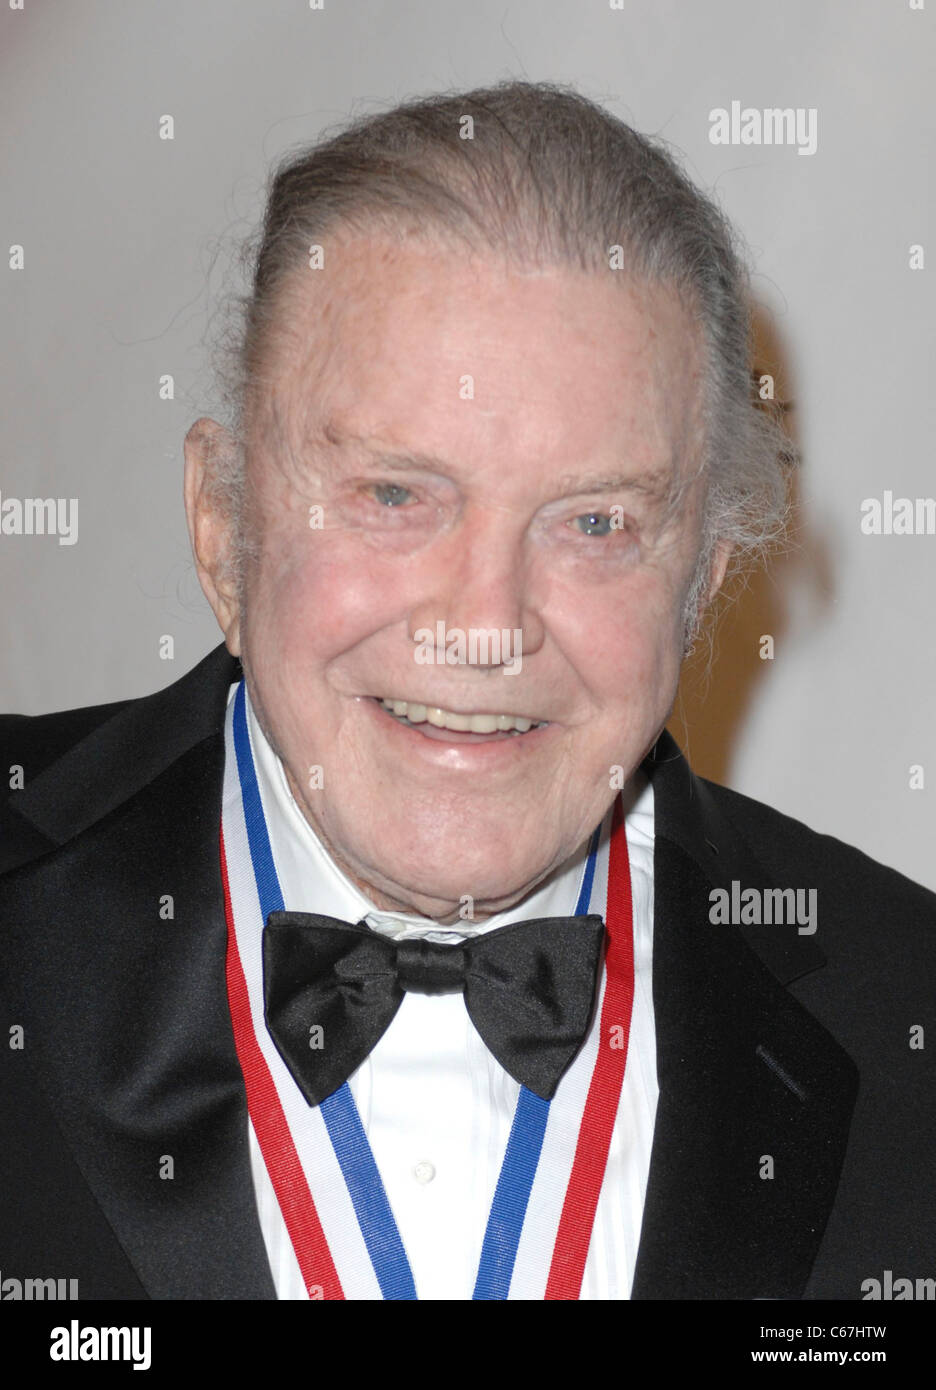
445, 869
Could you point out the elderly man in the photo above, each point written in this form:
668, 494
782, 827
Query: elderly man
395, 952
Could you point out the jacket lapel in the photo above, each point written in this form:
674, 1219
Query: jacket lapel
750, 1083
116, 947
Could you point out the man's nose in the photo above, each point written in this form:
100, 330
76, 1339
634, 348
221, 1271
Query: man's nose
481, 584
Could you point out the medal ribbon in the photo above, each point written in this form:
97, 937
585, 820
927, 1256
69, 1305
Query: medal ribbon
346, 1132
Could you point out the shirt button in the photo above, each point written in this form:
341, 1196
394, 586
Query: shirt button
423, 1173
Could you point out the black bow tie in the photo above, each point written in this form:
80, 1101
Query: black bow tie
330, 992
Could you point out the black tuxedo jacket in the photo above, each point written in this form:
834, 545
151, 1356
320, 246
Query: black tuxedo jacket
769, 1042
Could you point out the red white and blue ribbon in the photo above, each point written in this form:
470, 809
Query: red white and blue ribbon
320, 1163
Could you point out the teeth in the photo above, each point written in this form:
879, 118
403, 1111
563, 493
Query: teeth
463, 723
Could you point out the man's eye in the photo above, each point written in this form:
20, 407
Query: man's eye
391, 494
594, 524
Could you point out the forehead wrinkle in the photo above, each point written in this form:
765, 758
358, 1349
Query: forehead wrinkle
659, 482
310, 353
655, 481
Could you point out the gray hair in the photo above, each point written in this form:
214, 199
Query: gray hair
546, 177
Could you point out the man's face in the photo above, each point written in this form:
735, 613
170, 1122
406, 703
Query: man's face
448, 441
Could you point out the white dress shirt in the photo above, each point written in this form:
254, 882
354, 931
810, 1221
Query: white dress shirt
435, 1104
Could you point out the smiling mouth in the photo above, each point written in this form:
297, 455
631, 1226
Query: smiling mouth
435, 722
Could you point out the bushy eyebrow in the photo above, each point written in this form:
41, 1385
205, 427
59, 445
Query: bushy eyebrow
657, 484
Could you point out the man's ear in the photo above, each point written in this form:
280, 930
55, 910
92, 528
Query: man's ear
720, 557
210, 527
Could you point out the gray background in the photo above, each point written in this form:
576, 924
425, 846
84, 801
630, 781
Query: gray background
128, 241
